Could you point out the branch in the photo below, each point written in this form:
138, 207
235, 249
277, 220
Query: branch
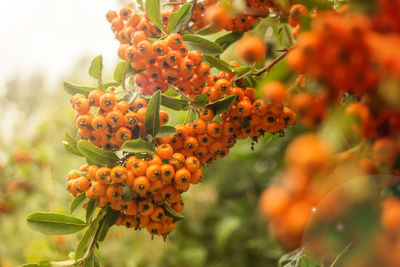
188, 99
92, 245
270, 65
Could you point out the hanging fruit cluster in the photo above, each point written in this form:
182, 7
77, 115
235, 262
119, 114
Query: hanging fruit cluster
145, 188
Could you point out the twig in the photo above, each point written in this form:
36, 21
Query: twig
270, 65
92, 245
192, 105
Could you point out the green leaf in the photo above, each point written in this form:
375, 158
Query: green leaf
172, 213
92, 260
120, 70
242, 71
54, 223
207, 30
206, 47
174, 103
123, 69
73, 89
226, 40
78, 202
153, 12
130, 97
96, 67
127, 193
70, 145
166, 131
152, 117
138, 146
179, 18
96, 155
293, 256
91, 207
87, 237
218, 63
200, 100
111, 218
222, 105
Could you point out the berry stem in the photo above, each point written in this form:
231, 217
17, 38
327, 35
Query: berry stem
92, 245
192, 105
270, 65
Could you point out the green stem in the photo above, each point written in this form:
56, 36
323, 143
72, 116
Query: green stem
92, 245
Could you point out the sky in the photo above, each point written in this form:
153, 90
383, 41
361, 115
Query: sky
51, 35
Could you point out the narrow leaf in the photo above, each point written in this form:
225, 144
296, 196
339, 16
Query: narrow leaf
138, 146
179, 18
173, 103
222, 105
207, 30
96, 155
96, 67
127, 193
78, 202
153, 12
73, 89
55, 223
166, 131
226, 40
201, 100
242, 71
111, 218
90, 209
85, 241
206, 47
152, 117
218, 63
70, 145
172, 213
120, 70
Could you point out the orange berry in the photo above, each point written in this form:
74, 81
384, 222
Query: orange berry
119, 174
153, 172
107, 102
182, 176
174, 41
296, 13
141, 185
145, 208
167, 173
192, 164
165, 151
274, 93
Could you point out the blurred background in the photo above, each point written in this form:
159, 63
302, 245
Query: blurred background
312, 198
46, 42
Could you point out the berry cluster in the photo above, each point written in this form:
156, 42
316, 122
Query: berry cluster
164, 62
113, 122
156, 182
220, 16
153, 183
